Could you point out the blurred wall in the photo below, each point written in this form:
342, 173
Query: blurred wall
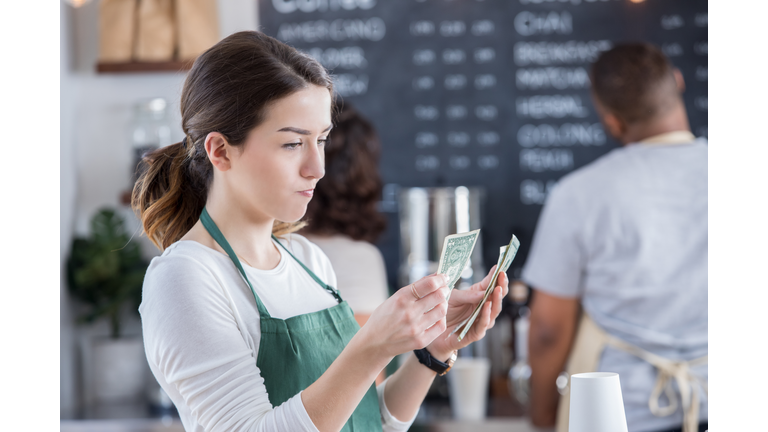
96, 114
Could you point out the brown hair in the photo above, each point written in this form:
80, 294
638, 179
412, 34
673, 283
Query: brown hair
227, 90
635, 81
345, 199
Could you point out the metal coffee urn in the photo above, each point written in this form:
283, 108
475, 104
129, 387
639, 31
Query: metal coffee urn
427, 216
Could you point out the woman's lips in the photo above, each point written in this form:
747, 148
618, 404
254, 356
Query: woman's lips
307, 193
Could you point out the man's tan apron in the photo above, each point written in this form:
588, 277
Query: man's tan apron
590, 342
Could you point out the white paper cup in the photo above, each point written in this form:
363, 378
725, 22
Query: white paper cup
596, 403
468, 387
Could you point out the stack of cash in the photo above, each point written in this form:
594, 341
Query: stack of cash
506, 255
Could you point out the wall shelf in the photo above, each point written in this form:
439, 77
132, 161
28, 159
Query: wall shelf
133, 67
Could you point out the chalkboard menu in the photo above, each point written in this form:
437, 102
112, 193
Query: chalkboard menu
488, 93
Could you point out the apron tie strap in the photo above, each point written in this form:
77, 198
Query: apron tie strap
680, 371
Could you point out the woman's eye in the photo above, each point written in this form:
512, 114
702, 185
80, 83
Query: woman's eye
322, 141
291, 146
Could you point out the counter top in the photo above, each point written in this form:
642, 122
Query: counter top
432, 417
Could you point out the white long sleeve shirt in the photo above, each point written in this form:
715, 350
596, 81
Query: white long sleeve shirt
202, 331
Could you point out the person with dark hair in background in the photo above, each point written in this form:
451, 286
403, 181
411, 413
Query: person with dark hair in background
343, 218
242, 325
618, 262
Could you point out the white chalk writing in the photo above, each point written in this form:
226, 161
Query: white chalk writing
487, 139
535, 191
485, 81
483, 27
458, 139
454, 56
537, 160
456, 112
555, 53
426, 112
347, 58
423, 83
701, 73
426, 140
427, 163
700, 48
552, 77
701, 103
555, 106
671, 22
568, 134
455, 82
672, 49
350, 84
486, 112
487, 162
452, 28
543, 23
290, 6
700, 19
424, 56
422, 28
372, 29
484, 55
460, 162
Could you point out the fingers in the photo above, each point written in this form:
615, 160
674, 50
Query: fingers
437, 311
483, 284
503, 281
433, 332
460, 297
481, 325
496, 298
429, 284
431, 301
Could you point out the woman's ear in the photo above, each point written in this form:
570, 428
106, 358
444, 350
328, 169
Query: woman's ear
219, 151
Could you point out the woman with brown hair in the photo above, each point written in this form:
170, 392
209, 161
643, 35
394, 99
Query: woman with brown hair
242, 326
343, 219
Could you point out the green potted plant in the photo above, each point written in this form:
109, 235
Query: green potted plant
105, 273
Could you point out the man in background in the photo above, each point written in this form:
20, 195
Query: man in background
618, 263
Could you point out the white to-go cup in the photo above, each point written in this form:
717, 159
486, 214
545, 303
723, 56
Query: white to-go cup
468, 387
596, 403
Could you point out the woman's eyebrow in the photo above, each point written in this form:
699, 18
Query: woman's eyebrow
301, 131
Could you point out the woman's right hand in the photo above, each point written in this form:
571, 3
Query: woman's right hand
404, 322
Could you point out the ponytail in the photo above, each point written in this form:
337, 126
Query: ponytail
171, 192
168, 196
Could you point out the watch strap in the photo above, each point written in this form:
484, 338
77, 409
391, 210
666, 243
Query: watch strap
431, 362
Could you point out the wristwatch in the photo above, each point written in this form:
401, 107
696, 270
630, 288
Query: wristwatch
436, 365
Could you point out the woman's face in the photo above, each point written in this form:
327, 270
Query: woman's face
283, 158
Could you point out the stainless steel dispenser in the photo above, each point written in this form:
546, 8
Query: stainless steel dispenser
427, 216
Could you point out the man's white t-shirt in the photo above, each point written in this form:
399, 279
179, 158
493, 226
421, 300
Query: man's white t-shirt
201, 331
628, 235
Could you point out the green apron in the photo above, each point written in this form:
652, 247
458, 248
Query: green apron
295, 352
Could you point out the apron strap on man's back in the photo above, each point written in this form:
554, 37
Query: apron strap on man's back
680, 371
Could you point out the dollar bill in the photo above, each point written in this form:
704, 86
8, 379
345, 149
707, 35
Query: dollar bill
506, 255
457, 249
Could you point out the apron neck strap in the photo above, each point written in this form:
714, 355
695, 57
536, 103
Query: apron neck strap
330, 289
214, 231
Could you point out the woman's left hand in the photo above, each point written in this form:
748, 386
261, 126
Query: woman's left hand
460, 306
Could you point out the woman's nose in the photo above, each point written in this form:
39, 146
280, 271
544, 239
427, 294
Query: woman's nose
314, 163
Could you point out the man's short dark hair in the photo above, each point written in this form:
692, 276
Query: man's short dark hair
635, 81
